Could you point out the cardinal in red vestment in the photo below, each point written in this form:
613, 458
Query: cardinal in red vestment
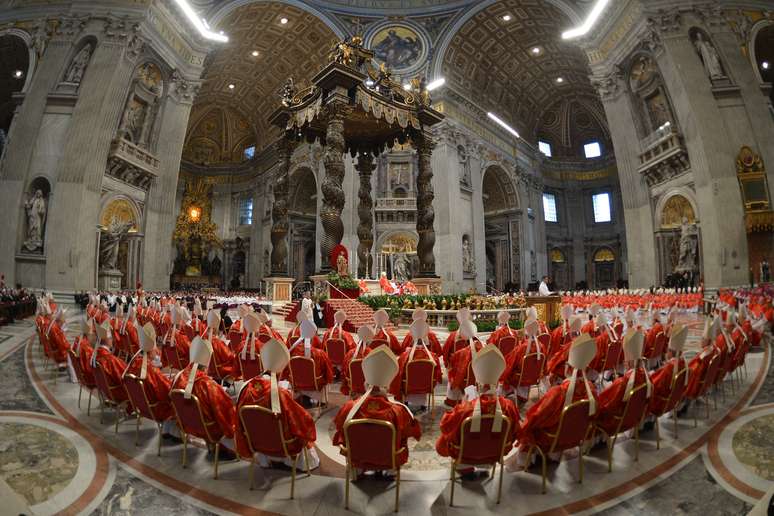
559, 336
268, 392
433, 344
223, 364
488, 366
557, 365
381, 333
57, 341
129, 330
460, 375
295, 334
665, 376
379, 367
157, 385
337, 332
700, 363
418, 351
515, 377
359, 352
503, 330
591, 326
111, 365
176, 338
323, 369
655, 328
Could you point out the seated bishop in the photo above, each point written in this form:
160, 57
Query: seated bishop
433, 344
542, 419
606, 336
175, 337
488, 366
83, 347
655, 328
144, 365
514, 375
303, 347
269, 392
128, 330
460, 374
236, 331
57, 341
700, 363
198, 321
359, 352
455, 341
379, 368
560, 336
337, 332
382, 333
217, 408
266, 332
295, 334
223, 365
111, 365
613, 399
503, 329
591, 326
557, 365
665, 376
419, 350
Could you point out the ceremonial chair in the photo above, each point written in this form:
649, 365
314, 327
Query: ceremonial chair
266, 435
613, 357
375, 343
336, 349
420, 379
480, 448
634, 412
676, 394
371, 444
506, 344
531, 370
81, 380
303, 376
190, 420
356, 377
143, 408
658, 350
214, 369
106, 392
573, 429
173, 359
705, 383
725, 367
545, 341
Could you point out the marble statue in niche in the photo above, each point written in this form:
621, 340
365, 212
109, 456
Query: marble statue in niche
709, 57
77, 68
109, 241
468, 260
35, 207
401, 268
658, 110
689, 247
464, 160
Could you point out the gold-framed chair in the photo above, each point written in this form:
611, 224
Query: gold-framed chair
107, 396
634, 412
190, 420
135, 389
420, 379
676, 394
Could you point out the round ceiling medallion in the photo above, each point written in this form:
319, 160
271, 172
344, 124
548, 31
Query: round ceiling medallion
402, 48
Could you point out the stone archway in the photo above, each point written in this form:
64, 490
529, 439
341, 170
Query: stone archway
396, 252
121, 210
560, 269
302, 213
605, 265
672, 210
502, 229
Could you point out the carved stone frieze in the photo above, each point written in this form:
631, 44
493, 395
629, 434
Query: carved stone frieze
131, 164
183, 90
664, 158
609, 86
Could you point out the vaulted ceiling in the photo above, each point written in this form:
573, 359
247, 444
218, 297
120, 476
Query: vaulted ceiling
492, 62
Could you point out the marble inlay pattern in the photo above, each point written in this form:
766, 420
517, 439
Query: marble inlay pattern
691, 490
766, 393
753, 445
36, 462
132, 495
16, 390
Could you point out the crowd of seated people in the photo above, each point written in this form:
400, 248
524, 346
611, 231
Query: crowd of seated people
236, 378
15, 304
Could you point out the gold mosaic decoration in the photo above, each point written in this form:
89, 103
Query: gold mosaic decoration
674, 210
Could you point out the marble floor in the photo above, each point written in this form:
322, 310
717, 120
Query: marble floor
54, 458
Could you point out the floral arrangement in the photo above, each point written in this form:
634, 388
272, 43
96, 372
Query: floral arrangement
342, 282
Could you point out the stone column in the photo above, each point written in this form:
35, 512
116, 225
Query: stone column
365, 230
333, 193
425, 213
279, 213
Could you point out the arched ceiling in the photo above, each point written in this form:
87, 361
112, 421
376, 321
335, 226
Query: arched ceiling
297, 49
490, 61
13, 56
217, 135
570, 123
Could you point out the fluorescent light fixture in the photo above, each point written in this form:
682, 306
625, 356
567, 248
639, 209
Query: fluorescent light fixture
596, 11
283, 21
765, 65
503, 125
198, 23
507, 17
436, 84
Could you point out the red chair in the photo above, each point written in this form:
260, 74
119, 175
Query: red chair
356, 377
573, 429
336, 349
506, 344
420, 379
108, 394
545, 340
480, 448
173, 358
81, 380
658, 350
531, 370
458, 345
266, 435
705, 383
143, 408
303, 376
634, 412
613, 356
676, 393
375, 343
190, 420
371, 444
250, 368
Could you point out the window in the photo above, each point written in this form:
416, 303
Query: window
246, 212
549, 207
250, 152
592, 150
601, 207
545, 148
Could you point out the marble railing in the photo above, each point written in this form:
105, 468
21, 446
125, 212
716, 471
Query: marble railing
132, 164
663, 155
396, 203
442, 318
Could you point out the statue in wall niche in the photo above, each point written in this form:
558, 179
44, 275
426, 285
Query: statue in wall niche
689, 247
109, 241
131, 126
709, 56
468, 262
400, 268
35, 207
464, 160
77, 68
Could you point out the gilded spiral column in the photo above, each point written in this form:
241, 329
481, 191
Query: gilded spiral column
425, 212
365, 234
279, 214
333, 193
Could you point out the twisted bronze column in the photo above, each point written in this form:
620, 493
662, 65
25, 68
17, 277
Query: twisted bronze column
425, 212
279, 213
365, 166
333, 193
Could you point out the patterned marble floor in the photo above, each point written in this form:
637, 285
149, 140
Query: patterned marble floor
56, 458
